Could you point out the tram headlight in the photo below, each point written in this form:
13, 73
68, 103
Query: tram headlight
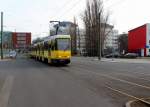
59, 56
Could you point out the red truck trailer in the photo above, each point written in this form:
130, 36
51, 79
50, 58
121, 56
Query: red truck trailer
139, 40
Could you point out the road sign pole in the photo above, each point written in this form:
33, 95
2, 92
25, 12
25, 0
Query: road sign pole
1, 35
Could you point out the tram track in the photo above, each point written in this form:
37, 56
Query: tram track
134, 78
115, 78
137, 70
124, 75
121, 81
128, 95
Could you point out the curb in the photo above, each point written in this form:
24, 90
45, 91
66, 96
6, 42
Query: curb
5, 60
129, 104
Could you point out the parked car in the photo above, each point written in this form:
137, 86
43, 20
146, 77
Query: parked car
12, 54
130, 55
113, 55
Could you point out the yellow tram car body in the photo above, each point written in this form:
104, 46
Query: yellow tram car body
54, 49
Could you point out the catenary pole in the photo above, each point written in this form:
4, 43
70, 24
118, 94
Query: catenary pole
100, 38
79, 40
1, 35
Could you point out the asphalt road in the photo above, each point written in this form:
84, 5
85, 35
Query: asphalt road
83, 83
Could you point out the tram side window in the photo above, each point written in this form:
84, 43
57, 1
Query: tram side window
36, 49
55, 44
42, 48
49, 47
39, 48
46, 46
52, 46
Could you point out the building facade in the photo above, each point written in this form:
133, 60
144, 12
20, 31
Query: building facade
111, 39
81, 48
139, 40
21, 40
15, 41
6, 42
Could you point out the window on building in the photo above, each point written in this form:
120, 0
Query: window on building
21, 42
21, 38
21, 34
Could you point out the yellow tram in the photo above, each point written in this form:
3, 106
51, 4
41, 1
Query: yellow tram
53, 49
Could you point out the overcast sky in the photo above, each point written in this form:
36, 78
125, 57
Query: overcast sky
34, 15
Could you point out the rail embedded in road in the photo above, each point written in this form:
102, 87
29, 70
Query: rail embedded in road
130, 103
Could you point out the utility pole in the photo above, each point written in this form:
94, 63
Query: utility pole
79, 46
74, 36
1, 35
100, 38
75, 41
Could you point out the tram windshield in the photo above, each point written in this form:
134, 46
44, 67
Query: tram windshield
63, 44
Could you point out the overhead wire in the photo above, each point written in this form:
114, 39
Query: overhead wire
72, 8
76, 5
116, 3
64, 5
69, 9
60, 10
79, 1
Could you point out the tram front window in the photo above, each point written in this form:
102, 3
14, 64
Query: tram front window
63, 44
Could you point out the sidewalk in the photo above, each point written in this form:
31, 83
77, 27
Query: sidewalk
137, 60
5, 59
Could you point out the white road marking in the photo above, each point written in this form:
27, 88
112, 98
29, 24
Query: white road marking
133, 76
118, 79
125, 81
5, 91
131, 96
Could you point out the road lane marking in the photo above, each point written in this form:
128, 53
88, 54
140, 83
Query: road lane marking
131, 96
125, 81
121, 80
5, 91
119, 91
117, 79
126, 75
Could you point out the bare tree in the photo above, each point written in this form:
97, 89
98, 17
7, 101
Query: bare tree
96, 24
73, 34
